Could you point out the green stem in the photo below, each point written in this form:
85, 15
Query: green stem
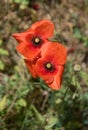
37, 114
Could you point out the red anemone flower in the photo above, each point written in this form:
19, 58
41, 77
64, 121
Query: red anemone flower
34, 38
50, 66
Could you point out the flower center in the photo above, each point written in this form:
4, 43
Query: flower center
49, 67
36, 41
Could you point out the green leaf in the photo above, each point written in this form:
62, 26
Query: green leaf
52, 121
85, 96
17, 1
85, 41
84, 76
76, 83
22, 102
1, 65
77, 33
37, 114
3, 102
3, 52
24, 2
1, 41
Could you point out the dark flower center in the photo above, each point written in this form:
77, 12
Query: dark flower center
49, 66
36, 41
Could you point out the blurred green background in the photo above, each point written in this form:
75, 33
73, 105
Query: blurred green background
27, 103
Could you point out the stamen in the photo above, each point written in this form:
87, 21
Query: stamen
49, 66
36, 41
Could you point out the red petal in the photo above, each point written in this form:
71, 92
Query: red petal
31, 68
43, 28
56, 84
55, 52
42, 72
49, 79
21, 37
28, 51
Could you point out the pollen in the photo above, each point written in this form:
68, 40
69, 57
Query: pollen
37, 40
48, 65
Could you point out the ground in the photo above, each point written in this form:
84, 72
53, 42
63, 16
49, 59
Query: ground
38, 101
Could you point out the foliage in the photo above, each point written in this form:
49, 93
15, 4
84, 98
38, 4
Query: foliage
23, 3
27, 103
59, 109
80, 36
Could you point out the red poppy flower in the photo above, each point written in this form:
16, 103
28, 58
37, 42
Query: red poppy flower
51, 66
34, 38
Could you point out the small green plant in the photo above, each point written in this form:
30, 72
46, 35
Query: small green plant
81, 37
3, 52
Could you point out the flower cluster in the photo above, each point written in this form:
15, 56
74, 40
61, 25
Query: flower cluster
43, 58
